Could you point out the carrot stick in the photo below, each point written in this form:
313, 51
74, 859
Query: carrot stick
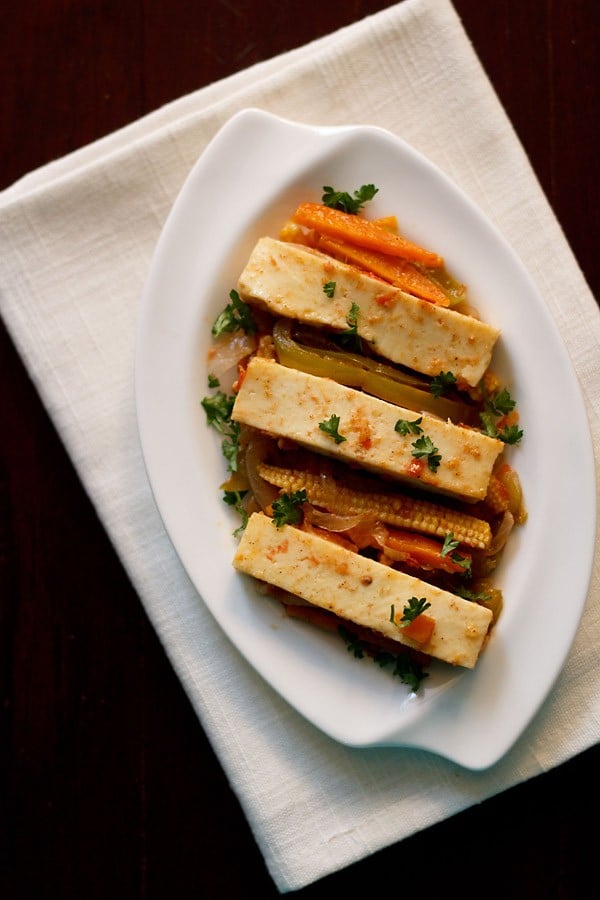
397, 271
420, 551
362, 232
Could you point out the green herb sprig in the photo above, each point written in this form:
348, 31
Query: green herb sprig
496, 406
404, 426
350, 338
286, 509
408, 670
236, 315
414, 607
236, 499
218, 408
442, 383
353, 644
449, 550
331, 427
348, 203
424, 448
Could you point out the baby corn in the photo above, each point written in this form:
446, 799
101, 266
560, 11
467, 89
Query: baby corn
392, 509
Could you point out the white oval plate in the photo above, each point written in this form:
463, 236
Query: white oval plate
245, 184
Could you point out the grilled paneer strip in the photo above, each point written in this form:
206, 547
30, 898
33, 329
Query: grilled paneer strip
289, 280
358, 589
290, 404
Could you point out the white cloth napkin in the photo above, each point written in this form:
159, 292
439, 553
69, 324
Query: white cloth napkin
76, 239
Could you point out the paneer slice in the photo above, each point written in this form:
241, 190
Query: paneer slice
358, 589
288, 280
287, 403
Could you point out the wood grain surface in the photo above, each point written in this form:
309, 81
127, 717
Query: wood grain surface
108, 786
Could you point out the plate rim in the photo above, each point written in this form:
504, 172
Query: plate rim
419, 735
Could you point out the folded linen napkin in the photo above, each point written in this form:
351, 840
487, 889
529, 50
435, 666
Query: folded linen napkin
77, 237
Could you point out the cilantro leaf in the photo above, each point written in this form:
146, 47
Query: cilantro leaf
403, 426
512, 434
408, 670
286, 509
230, 446
353, 644
449, 544
235, 499
413, 609
441, 383
218, 410
236, 314
449, 549
489, 424
350, 337
496, 406
329, 288
476, 596
500, 403
218, 415
331, 427
423, 447
344, 201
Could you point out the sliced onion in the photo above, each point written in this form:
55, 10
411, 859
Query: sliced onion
334, 521
228, 350
502, 534
255, 447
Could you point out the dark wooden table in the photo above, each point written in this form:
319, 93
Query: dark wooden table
109, 786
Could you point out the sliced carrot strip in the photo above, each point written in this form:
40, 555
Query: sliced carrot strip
398, 272
390, 223
362, 232
419, 551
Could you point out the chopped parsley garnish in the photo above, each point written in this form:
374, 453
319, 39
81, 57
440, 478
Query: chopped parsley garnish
403, 426
350, 338
413, 608
353, 644
476, 596
218, 415
286, 509
235, 499
424, 448
405, 667
352, 319
345, 202
497, 406
442, 383
218, 411
511, 434
331, 427
408, 670
449, 549
230, 446
213, 381
329, 288
236, 314
500, 403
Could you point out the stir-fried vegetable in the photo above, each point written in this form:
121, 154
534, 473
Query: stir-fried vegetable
370, 375
362, 232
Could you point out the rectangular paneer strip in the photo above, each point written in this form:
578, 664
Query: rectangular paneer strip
288, 280
358, 589
287, 403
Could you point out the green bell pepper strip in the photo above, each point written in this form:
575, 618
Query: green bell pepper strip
371, 376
